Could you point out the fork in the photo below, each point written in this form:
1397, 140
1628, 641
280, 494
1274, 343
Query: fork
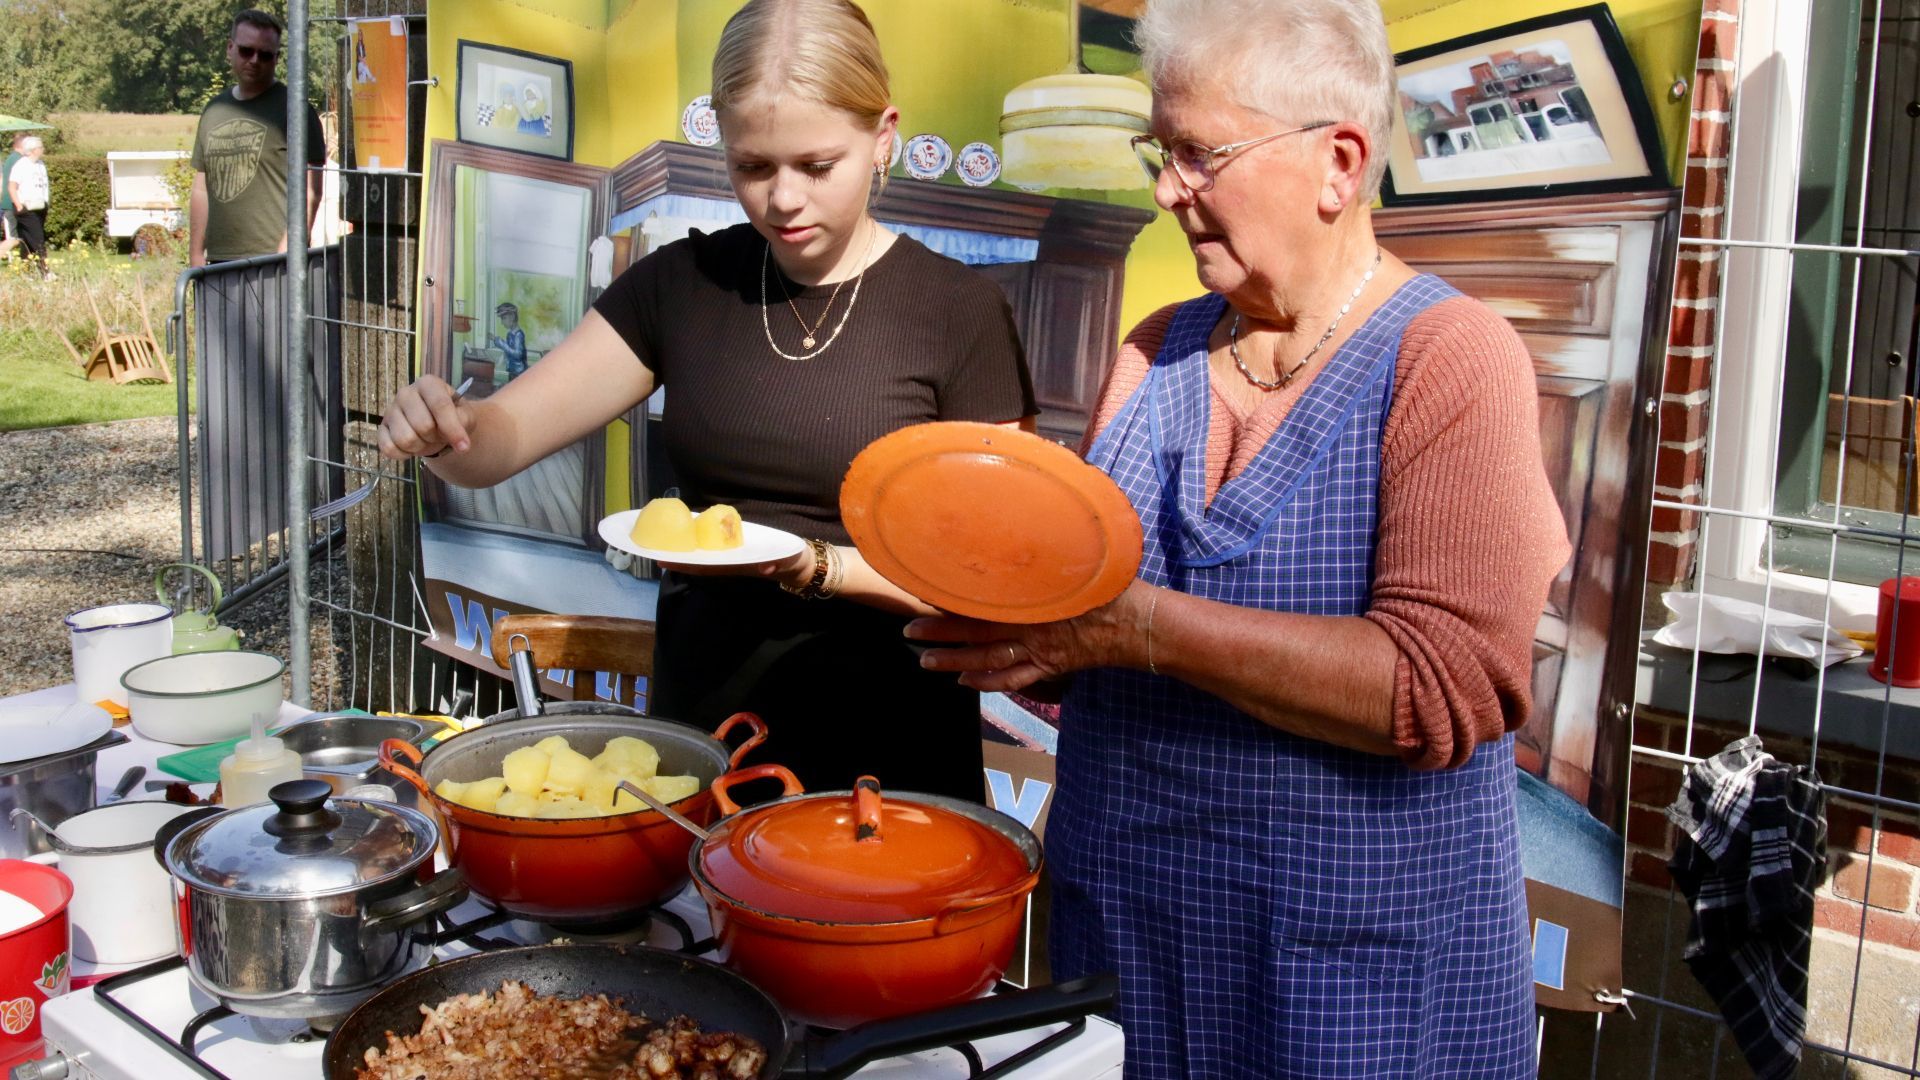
359, 495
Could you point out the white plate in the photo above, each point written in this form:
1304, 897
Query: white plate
759, 544
31, 731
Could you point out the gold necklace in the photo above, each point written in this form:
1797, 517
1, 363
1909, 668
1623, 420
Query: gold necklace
1233, 336
807, 334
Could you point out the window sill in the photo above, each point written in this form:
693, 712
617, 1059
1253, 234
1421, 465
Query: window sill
1854, 708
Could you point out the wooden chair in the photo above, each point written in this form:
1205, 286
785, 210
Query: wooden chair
580, 642
122, 356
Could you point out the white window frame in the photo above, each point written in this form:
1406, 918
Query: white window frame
1751, 318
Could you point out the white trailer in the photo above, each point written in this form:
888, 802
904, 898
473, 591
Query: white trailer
139, 191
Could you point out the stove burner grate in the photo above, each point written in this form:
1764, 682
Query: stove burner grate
182, 1049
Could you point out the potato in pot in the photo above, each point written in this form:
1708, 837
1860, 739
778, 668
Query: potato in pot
551, 779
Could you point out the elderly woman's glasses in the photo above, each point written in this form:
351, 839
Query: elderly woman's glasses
1193, 163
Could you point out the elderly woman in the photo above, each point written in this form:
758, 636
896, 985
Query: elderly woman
1285, 811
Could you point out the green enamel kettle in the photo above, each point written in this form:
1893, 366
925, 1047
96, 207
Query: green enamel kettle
193, 630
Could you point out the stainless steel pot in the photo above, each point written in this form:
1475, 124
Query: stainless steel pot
303, 908
343, 749
53, 788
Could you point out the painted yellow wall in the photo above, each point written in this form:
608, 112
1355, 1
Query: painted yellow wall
638, 62
569, 29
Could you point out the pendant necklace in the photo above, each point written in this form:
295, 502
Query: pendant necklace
1233, 336
808, 333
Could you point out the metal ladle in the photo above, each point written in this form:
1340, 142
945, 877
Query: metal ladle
668, 812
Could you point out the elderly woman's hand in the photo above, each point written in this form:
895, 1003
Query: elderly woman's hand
1010, 657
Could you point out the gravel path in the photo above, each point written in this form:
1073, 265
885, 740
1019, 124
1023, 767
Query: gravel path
86, 515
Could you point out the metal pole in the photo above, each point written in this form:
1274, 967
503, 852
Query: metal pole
299, 648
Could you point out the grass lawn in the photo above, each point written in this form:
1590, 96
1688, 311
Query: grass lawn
99, 132
40, 385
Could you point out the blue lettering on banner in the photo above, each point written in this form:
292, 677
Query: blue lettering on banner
1024, 808
1549, 954
472, 629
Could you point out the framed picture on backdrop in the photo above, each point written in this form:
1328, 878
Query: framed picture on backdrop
1548, 106
515, 100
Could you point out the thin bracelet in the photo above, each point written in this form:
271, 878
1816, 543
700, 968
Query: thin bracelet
1152, 606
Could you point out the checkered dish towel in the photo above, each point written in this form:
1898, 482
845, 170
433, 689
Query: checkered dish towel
1752, 849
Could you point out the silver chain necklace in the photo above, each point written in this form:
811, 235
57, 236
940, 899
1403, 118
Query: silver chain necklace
852, 299
1233, 336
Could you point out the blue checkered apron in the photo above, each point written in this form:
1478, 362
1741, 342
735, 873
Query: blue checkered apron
1276, 906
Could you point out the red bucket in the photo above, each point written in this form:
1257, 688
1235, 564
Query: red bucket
34, 959
1896, 657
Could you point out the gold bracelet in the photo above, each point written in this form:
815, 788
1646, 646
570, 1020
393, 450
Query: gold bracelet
836, 573
1152, 606
815, 586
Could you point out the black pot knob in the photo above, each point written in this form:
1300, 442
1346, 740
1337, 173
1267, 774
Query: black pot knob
303, 809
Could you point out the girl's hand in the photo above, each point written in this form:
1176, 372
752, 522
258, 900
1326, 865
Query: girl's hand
423, 419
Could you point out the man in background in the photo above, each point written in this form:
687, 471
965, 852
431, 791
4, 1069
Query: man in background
28, 188
239, 203
9, 228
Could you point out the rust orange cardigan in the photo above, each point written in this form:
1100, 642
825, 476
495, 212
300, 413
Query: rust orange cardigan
1469, 532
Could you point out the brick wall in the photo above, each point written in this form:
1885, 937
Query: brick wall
1680, 465
1879, 908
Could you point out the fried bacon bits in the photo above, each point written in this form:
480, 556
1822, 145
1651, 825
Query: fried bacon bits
515, 1032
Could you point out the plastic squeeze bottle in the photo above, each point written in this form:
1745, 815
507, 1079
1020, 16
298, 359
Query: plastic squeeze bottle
255, 766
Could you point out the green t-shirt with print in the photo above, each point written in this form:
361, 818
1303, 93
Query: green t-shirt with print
241, 146
6, 189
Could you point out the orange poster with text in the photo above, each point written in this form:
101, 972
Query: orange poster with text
379, 82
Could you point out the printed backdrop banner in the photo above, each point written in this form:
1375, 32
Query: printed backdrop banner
540, 207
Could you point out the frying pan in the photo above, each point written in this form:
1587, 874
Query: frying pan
663, 984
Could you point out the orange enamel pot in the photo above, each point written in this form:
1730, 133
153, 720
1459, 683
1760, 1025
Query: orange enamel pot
580, 870
850, 906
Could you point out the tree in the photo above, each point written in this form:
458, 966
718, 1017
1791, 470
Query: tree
144, 56
46, 61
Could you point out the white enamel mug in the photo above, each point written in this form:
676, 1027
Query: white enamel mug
122, 909
109, 639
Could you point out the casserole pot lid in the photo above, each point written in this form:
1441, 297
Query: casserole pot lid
302, 844
856, 857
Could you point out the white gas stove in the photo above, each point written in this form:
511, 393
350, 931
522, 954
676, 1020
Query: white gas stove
89, 1039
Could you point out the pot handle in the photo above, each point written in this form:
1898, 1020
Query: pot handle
391, 751
841, 1055
721, 784
752, 721
447, 889
160, 583
958, 914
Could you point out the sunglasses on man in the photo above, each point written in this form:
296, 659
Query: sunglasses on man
250, 54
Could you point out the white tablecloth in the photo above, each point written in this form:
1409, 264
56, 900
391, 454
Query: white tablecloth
114, 761
138, 749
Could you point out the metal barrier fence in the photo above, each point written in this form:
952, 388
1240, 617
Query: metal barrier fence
237, 494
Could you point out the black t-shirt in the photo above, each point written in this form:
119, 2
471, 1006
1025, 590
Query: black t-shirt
926, 339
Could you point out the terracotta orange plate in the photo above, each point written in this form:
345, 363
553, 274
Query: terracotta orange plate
990, 522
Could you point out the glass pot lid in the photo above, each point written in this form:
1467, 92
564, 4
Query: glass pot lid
302, 844
860, 857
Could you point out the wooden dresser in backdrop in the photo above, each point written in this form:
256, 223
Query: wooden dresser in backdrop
1587, 282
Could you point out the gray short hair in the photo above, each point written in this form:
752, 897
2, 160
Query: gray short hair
31, 142
1295, 60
